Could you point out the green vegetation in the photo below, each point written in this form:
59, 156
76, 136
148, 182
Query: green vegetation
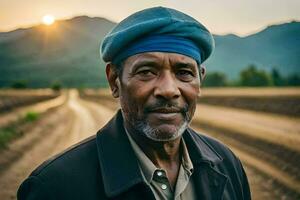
31, 116
14, 130
19, 84
9, 133
215, 79
56, 86
277, 78
252, 77
293, 80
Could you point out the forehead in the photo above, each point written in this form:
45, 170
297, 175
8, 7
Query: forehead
160, 58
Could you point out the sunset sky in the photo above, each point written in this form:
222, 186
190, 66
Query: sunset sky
241, 17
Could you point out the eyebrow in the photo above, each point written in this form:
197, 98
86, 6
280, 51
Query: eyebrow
189, 65
145, 62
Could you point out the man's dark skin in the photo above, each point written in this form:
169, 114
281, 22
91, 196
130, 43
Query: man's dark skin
160, 89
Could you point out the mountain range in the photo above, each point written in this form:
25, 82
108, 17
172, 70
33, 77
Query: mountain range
68, 52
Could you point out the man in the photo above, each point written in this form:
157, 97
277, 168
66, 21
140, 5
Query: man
147, 150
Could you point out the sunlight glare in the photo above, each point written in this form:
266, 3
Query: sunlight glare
48, 20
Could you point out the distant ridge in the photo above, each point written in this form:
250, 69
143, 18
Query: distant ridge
68, 52
277, 46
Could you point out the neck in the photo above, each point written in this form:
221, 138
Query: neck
165, 155
159, 152
162, 154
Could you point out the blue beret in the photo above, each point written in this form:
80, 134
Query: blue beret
156, 21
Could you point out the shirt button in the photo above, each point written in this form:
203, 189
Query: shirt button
163, 186
159, 173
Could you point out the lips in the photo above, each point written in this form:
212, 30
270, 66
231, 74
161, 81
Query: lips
165, 114
166, 110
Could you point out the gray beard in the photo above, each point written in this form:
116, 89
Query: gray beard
156, 135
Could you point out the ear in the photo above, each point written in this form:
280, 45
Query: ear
202, 72
113, 79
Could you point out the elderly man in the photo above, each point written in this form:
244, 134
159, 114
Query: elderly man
147, 151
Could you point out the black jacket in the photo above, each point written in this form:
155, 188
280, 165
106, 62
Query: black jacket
105, 167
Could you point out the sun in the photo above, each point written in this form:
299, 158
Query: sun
48, 20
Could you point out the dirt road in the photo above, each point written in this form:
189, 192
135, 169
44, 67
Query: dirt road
69, 124
74, 120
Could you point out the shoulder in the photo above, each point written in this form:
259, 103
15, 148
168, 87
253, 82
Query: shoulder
76, 169
75, 156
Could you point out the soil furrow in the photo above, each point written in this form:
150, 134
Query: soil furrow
39, 151
262, 160
32, 134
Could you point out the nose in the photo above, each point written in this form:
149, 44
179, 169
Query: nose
166, 87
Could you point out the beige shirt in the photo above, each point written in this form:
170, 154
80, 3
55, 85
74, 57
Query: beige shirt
157, 178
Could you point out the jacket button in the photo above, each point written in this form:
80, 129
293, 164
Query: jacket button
159, 173
163, 186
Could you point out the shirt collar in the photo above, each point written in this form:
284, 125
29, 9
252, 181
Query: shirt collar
186, 160
147, 166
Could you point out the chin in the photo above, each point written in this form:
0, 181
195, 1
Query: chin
163, 133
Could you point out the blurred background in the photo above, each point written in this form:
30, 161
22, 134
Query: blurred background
53, 89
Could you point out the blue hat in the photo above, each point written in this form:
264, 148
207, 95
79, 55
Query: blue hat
183, 32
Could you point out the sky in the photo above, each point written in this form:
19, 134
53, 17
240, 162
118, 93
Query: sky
241, 17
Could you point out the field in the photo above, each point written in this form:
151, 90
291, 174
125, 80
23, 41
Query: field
10, 99
281, 101
262, 126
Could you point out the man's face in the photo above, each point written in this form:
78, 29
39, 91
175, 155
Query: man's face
158, 94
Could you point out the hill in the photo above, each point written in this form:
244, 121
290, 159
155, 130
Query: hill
68, 52
277, 46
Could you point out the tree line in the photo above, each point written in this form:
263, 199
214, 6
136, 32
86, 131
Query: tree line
249, 77
252, 77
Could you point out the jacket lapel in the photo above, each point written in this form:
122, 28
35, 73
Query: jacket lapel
119, 166
210, 182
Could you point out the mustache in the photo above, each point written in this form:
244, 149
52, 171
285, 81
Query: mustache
166, 106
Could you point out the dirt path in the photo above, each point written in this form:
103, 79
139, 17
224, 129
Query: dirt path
71, 123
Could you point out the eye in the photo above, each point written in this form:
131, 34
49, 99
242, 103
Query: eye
145, 73
185, 74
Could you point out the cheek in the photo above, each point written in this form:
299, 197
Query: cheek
190, 93
127, 102
133, 97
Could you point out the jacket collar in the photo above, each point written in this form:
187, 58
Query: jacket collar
119, 166
199, 150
